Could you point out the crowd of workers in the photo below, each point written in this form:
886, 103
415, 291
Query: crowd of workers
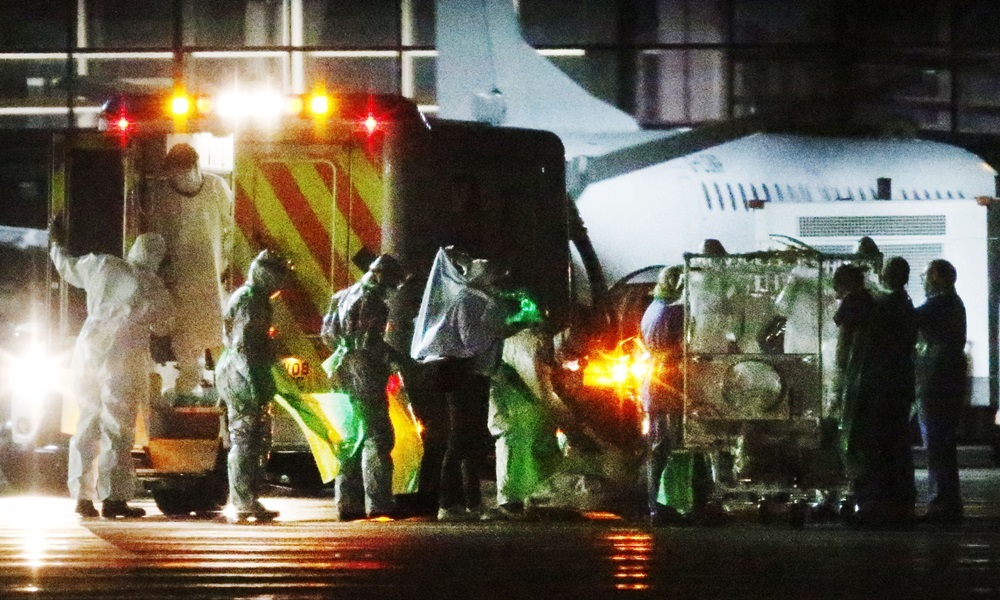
889, 356
470, 361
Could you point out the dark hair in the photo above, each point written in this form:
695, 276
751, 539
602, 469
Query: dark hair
944, 270
849, 276
868, 247
180, 156
896, 272
713, 247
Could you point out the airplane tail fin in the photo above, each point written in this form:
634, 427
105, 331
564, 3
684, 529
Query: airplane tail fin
487, 72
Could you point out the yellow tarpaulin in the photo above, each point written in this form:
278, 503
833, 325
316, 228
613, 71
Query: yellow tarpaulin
333, 430
409, 449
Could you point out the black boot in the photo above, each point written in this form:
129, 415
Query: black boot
85, 508
119, 508
257, 514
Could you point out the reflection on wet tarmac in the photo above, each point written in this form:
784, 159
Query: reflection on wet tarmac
632, 552
47, 552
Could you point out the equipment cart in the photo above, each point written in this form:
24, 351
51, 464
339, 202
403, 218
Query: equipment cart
761, 414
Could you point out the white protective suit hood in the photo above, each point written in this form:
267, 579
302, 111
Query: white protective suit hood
147, 251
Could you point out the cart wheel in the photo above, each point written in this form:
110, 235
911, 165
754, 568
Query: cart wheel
798, 514
848, 508
765, 510
709, 514
175, 502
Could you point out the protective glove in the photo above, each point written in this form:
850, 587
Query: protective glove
57, 230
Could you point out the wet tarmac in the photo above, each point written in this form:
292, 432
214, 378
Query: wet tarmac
47, 552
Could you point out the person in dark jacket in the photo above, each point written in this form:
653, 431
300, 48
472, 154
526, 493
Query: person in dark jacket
355, 325
246, 384
423, 389
942, 385
897, 337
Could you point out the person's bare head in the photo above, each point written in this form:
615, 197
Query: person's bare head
848, 279
896, 273
713, 247
939, 277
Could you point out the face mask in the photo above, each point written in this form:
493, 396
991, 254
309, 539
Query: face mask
188, 182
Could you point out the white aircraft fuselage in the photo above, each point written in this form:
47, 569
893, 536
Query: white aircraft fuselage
819, 190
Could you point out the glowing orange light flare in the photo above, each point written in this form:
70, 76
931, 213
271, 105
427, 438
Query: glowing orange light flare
370, 123
319, 104
623, 369
180, 105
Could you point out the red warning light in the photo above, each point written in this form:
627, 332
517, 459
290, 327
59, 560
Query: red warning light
122, 124
370, 123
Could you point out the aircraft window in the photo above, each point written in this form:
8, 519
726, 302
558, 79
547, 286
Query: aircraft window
826, 193
777, 190
767, 192
961, 195
950, 197
905, 197
718, 194
805, 193
753, 189
861, 194
873, 193
791, 192
708, 199
937, 194
743, 193
927, 195
732, 197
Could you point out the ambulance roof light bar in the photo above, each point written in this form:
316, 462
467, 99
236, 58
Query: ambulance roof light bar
135, 113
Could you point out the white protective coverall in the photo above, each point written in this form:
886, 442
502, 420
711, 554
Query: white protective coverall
198, 229
126, 303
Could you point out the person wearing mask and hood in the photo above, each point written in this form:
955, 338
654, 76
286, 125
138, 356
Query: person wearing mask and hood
355, 327
246, 384
193, 212
127, 303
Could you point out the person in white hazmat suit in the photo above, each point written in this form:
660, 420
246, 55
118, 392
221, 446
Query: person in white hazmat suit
126, 304
246, 384
193, 212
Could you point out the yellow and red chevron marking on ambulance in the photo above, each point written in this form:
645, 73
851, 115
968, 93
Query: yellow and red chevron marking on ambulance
317, 212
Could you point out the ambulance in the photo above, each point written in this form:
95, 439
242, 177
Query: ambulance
328, 180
